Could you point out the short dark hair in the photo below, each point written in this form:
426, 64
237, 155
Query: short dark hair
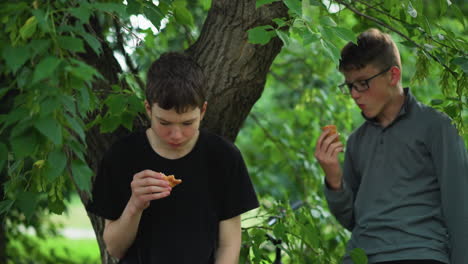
175, 80
373, 48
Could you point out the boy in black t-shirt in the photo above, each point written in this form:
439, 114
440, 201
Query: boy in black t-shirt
197, 221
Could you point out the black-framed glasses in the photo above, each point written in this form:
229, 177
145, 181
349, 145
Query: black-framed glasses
360, 85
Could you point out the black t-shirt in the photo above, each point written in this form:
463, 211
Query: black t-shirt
183, 227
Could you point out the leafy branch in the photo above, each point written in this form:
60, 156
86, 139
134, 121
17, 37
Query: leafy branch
356, 11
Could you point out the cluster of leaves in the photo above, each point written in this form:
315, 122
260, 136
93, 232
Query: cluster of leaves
48, 91
301, 234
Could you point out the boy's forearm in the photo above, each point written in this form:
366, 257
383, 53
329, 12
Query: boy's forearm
228, 254
120, 234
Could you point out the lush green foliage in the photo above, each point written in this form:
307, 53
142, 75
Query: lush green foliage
30, 249
46, 97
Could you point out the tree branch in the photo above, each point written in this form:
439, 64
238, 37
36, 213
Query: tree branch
128, 60
403, 22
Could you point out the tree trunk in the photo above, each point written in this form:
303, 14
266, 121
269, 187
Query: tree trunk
236, 69
236, 72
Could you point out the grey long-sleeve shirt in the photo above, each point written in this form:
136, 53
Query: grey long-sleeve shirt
405, 188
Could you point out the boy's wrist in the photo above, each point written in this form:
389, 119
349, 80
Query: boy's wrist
334, 185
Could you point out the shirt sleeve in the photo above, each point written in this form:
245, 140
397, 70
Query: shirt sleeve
341, 202
237, 195
451, 162
107, 198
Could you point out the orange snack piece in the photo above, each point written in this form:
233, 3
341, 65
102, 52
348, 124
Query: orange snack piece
172, 180
332, 129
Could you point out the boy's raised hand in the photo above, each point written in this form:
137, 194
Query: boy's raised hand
326, 152
146, 186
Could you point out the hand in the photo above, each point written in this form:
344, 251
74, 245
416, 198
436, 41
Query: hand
326, 153
146, 186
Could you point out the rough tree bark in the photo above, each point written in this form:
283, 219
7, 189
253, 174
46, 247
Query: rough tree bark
236, 72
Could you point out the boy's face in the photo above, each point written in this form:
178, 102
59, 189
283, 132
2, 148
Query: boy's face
378, 99
175, 131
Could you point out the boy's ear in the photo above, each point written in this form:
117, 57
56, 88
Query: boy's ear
148, 108
395, 75
203, 110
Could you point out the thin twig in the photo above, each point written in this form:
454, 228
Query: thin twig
128, 60
403, 22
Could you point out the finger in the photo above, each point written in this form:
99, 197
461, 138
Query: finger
149, 174
149, 181
337, 151
333, 148
329, 141
145, 173
321, 146
156, 196
151, 189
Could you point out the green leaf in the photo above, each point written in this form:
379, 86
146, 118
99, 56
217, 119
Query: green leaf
24, 145
27, 203
127, 119
435, 102
41, 17
5, 206
260, 35
458, 14
408, 43
462, 62
358, 256
116, 103
310, 37
92, 41
295, 6
83, 71
56, 163
284, 36
327, 21
452, 110
259, 3
3, 155
29, 28
118, 8
280, 22
49, 105
182, 14
57, 206
70, 43
50, 128
82, 13
79, 149
345, 34
76, 126
82, 175
331, 50
133, 7
110, 123
39, 46
154, 15
15, 57
411, 10
45, 68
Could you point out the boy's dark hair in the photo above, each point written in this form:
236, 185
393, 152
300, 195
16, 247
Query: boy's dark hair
373, 48
175, 81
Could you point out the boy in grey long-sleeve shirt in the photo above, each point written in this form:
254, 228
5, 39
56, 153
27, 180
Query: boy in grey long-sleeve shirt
403, 191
